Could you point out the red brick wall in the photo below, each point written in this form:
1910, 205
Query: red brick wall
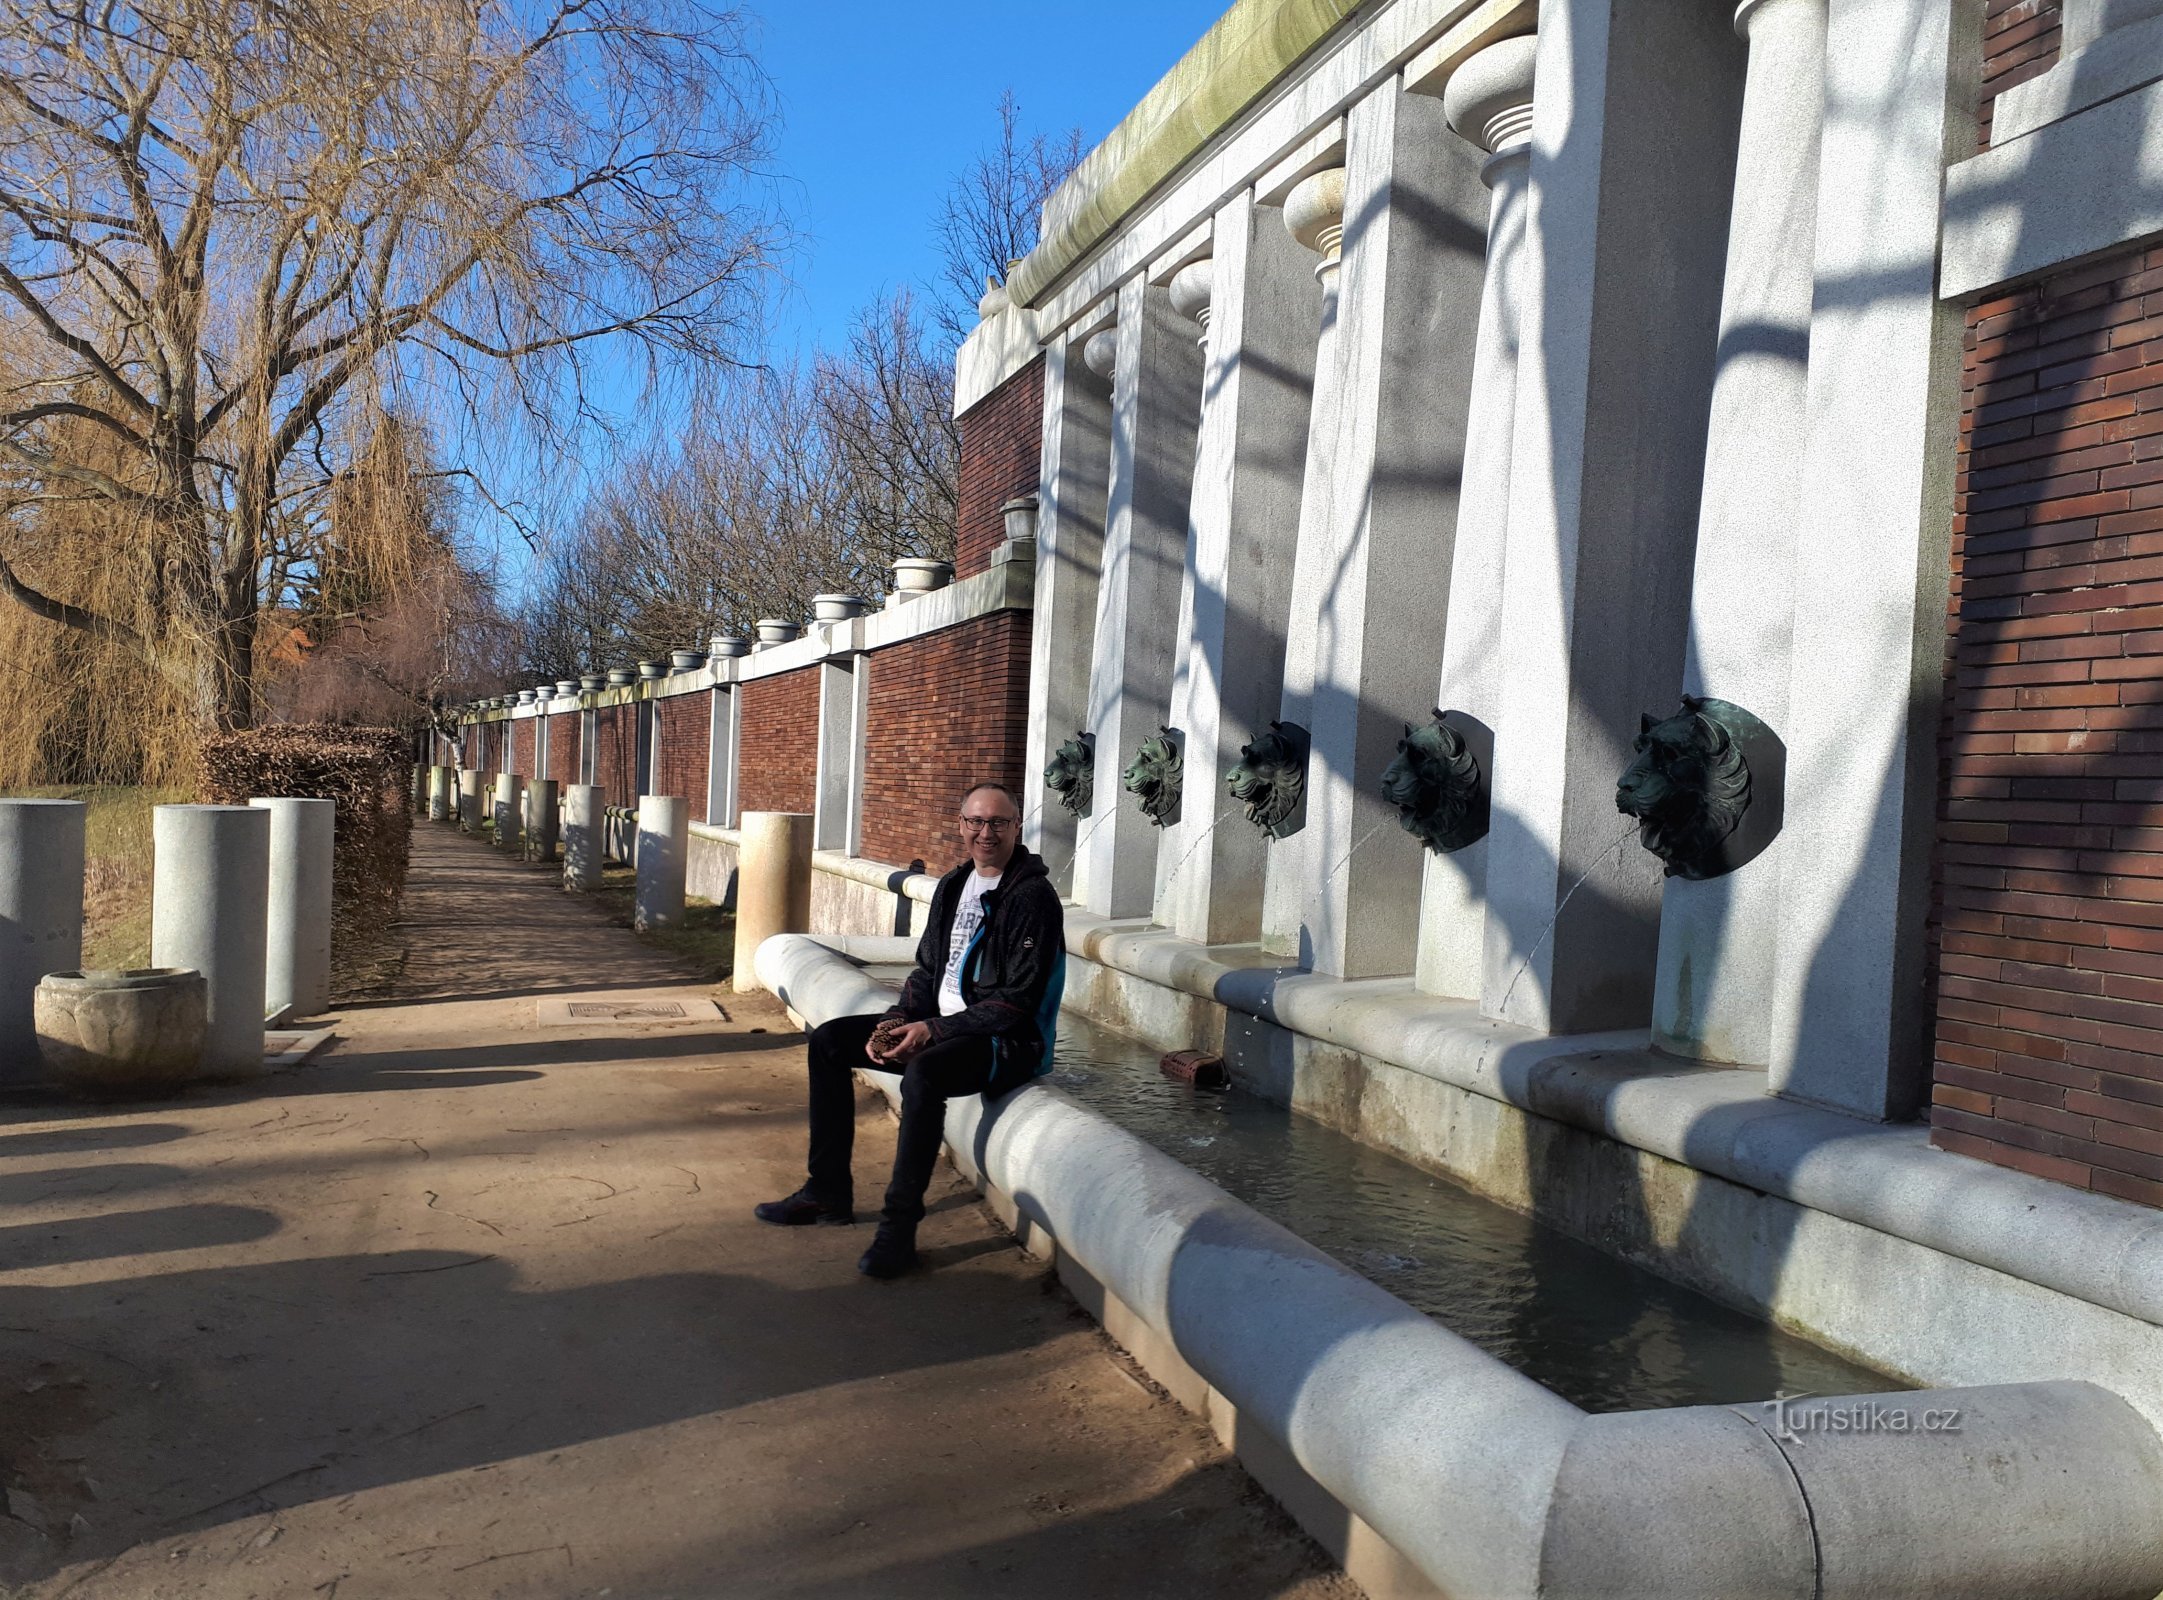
2050, 872
526, 747
945, 711
2020, 41
563, 747
469, 746
615, 754
1002, 442
679, 759
778, 748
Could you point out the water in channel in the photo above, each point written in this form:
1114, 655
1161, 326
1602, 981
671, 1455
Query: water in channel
1603, 1334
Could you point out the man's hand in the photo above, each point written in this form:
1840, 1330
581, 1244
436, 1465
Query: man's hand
899, 1043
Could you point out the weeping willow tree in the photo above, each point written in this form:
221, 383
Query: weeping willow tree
222, 221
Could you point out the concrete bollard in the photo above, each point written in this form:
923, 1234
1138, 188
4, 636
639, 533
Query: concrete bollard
543, 818
442, 793
41, 917
773, 884
585, 816
664, 849
508, 785
209, 909
296, 968
469, 799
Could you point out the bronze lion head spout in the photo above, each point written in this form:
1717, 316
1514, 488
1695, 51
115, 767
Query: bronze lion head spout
1072, 773
1689, 785
1271, 777
1437, 787
1156, 776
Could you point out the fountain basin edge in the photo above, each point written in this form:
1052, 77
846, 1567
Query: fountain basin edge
1427, 1466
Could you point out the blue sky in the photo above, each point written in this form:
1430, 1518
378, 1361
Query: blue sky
884, 101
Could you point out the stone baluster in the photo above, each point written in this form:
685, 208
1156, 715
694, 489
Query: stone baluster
1632, 165
1719, 936
1258, 305
1314, 217
1075, 470
1156, 393
1487, 100
1370, 587
1849, 1022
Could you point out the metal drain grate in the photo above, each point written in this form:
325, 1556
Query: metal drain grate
628, 1010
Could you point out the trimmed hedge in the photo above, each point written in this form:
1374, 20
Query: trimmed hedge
368, 772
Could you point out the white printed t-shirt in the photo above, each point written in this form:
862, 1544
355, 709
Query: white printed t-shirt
968, 917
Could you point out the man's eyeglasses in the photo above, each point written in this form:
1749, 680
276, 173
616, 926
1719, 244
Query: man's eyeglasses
986, 824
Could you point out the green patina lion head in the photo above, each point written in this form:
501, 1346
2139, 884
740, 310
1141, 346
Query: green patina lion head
1156, 777
1688, 785
1436, 786
1072, 774
1271, 777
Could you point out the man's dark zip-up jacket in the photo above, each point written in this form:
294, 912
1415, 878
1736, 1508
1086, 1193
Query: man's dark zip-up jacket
1012, 973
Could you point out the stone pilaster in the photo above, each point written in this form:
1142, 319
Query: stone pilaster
1314, 217
1488, 100
1258, 302
833, 824
1633, 161
724, 732
1718, 936
1156, 396
1075, 480
1849, 1027
1371, 586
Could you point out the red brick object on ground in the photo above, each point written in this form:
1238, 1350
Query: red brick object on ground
947, 710
778, 743
2049, 872
1002, 442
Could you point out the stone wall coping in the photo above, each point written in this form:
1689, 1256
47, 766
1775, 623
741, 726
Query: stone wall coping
2070, 189
1488, 1483
1119, 230
1720, 1120
1009, 584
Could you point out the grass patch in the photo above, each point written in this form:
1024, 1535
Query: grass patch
116, 866
706, 941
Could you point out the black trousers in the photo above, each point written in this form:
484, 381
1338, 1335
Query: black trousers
931, 1078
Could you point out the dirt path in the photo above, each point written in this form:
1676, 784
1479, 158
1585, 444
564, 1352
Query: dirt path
475, 1307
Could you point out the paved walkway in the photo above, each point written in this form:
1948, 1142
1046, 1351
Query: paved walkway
474, 1306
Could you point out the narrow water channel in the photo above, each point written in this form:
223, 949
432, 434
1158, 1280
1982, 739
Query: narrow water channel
1604, 1334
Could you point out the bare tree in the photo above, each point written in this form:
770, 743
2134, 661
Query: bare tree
886, 409
993, 210
219, 219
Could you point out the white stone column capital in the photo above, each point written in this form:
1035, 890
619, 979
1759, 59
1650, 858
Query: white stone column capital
1314, 215
1488, 99
1751, 12
1191, 288
1100, 351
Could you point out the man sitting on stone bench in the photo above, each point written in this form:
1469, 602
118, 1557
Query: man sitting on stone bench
976, 1016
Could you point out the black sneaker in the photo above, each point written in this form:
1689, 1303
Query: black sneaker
892, 1252
801, 1208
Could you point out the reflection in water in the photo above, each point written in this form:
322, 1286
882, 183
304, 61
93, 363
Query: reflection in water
1603, 1334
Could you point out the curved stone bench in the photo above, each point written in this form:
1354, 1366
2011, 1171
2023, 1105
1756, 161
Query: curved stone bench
1446, 1471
